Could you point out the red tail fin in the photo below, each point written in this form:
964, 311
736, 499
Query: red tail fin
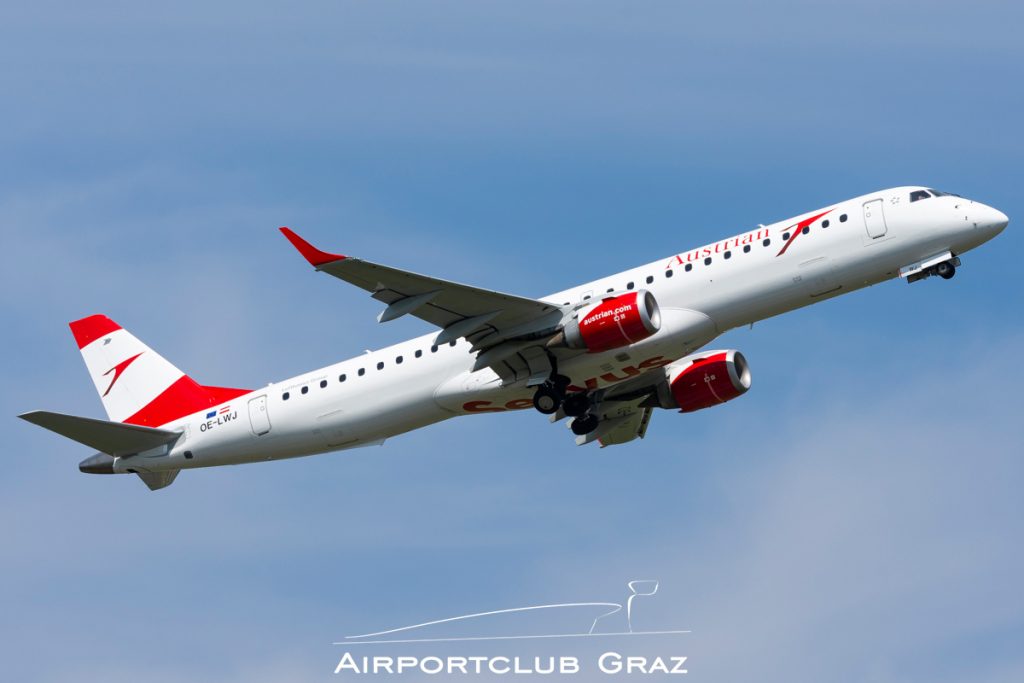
136, 384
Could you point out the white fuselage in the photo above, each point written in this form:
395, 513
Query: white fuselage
414, 384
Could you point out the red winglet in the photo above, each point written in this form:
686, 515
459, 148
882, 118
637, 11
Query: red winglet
308, 251
88, 330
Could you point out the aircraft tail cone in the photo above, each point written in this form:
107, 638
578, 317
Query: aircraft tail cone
101, 463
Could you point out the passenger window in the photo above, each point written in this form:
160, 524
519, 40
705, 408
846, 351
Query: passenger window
323, 384
362, 371
727, 254
785, 236
419, 353
285, 396
824, 223
611, 289
629, 285
453, 342
398, 361
806, 229
689, 267
380, 365
766, 242
341, 378
305, 390
746, 248
650, 279
707, 261
668, 273
433, 349
918, 195
842, 219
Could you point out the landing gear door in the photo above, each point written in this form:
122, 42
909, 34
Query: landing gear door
874, 219
258, 417
817, 277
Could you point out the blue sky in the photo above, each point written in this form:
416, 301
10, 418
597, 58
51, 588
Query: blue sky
856, 516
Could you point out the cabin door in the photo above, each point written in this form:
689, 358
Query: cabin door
258, 417
874, 219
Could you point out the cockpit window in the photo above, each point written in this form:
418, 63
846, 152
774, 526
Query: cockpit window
938, 193
919, 194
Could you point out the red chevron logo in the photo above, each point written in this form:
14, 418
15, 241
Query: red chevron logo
798, 228
118, 369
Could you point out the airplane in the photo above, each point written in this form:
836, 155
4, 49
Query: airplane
602, 355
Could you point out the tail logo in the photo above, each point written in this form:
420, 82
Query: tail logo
118, 369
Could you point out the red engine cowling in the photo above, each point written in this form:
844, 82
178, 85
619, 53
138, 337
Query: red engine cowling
709, 379
613, 322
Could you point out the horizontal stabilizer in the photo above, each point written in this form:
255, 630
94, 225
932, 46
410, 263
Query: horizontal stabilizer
113, 438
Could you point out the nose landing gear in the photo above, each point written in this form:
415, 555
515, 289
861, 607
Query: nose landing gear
944, 266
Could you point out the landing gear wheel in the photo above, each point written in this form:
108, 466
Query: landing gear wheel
585, 424
945, 270
547, 399
575, 405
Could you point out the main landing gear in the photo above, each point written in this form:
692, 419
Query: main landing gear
578, 406
549, 396
575, 405
584, 424
552, 395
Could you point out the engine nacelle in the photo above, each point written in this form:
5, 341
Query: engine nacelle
612, 322
707, 379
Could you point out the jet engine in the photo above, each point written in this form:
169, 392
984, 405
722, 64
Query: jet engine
611, 323
704, 380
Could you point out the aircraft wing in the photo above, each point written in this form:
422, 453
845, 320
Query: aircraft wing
507, 331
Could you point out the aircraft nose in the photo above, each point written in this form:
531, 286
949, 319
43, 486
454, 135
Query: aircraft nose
992, 220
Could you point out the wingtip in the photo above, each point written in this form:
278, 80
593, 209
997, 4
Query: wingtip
315, 257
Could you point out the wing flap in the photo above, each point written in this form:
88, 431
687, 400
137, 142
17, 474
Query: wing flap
631, 427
